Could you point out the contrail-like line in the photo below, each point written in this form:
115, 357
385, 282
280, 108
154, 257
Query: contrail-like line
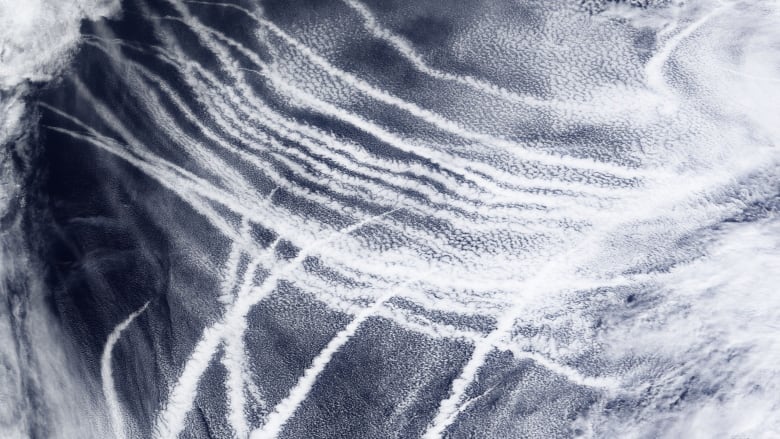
233, 355
199, 27
234, 351
526, 153
520, 211
167, 175
107, 378
433, 118
555, 275
287, 407
502, 194
239, 202
170, 420
177, 187
405, 48
320, 136
654, 68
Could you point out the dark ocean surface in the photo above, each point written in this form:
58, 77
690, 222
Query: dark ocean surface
390, 219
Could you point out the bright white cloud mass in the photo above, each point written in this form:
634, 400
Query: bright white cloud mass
368, 219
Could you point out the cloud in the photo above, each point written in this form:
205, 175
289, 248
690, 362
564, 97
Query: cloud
37, 38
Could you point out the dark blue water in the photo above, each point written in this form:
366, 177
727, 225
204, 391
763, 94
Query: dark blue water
331, 219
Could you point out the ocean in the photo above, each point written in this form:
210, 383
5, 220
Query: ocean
389, 219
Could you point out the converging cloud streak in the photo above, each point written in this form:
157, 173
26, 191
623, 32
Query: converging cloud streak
364, 219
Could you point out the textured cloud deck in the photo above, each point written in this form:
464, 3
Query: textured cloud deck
389, 219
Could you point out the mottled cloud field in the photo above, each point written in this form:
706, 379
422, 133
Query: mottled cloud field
423, 219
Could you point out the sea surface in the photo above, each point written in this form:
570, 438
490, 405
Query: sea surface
389, 219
